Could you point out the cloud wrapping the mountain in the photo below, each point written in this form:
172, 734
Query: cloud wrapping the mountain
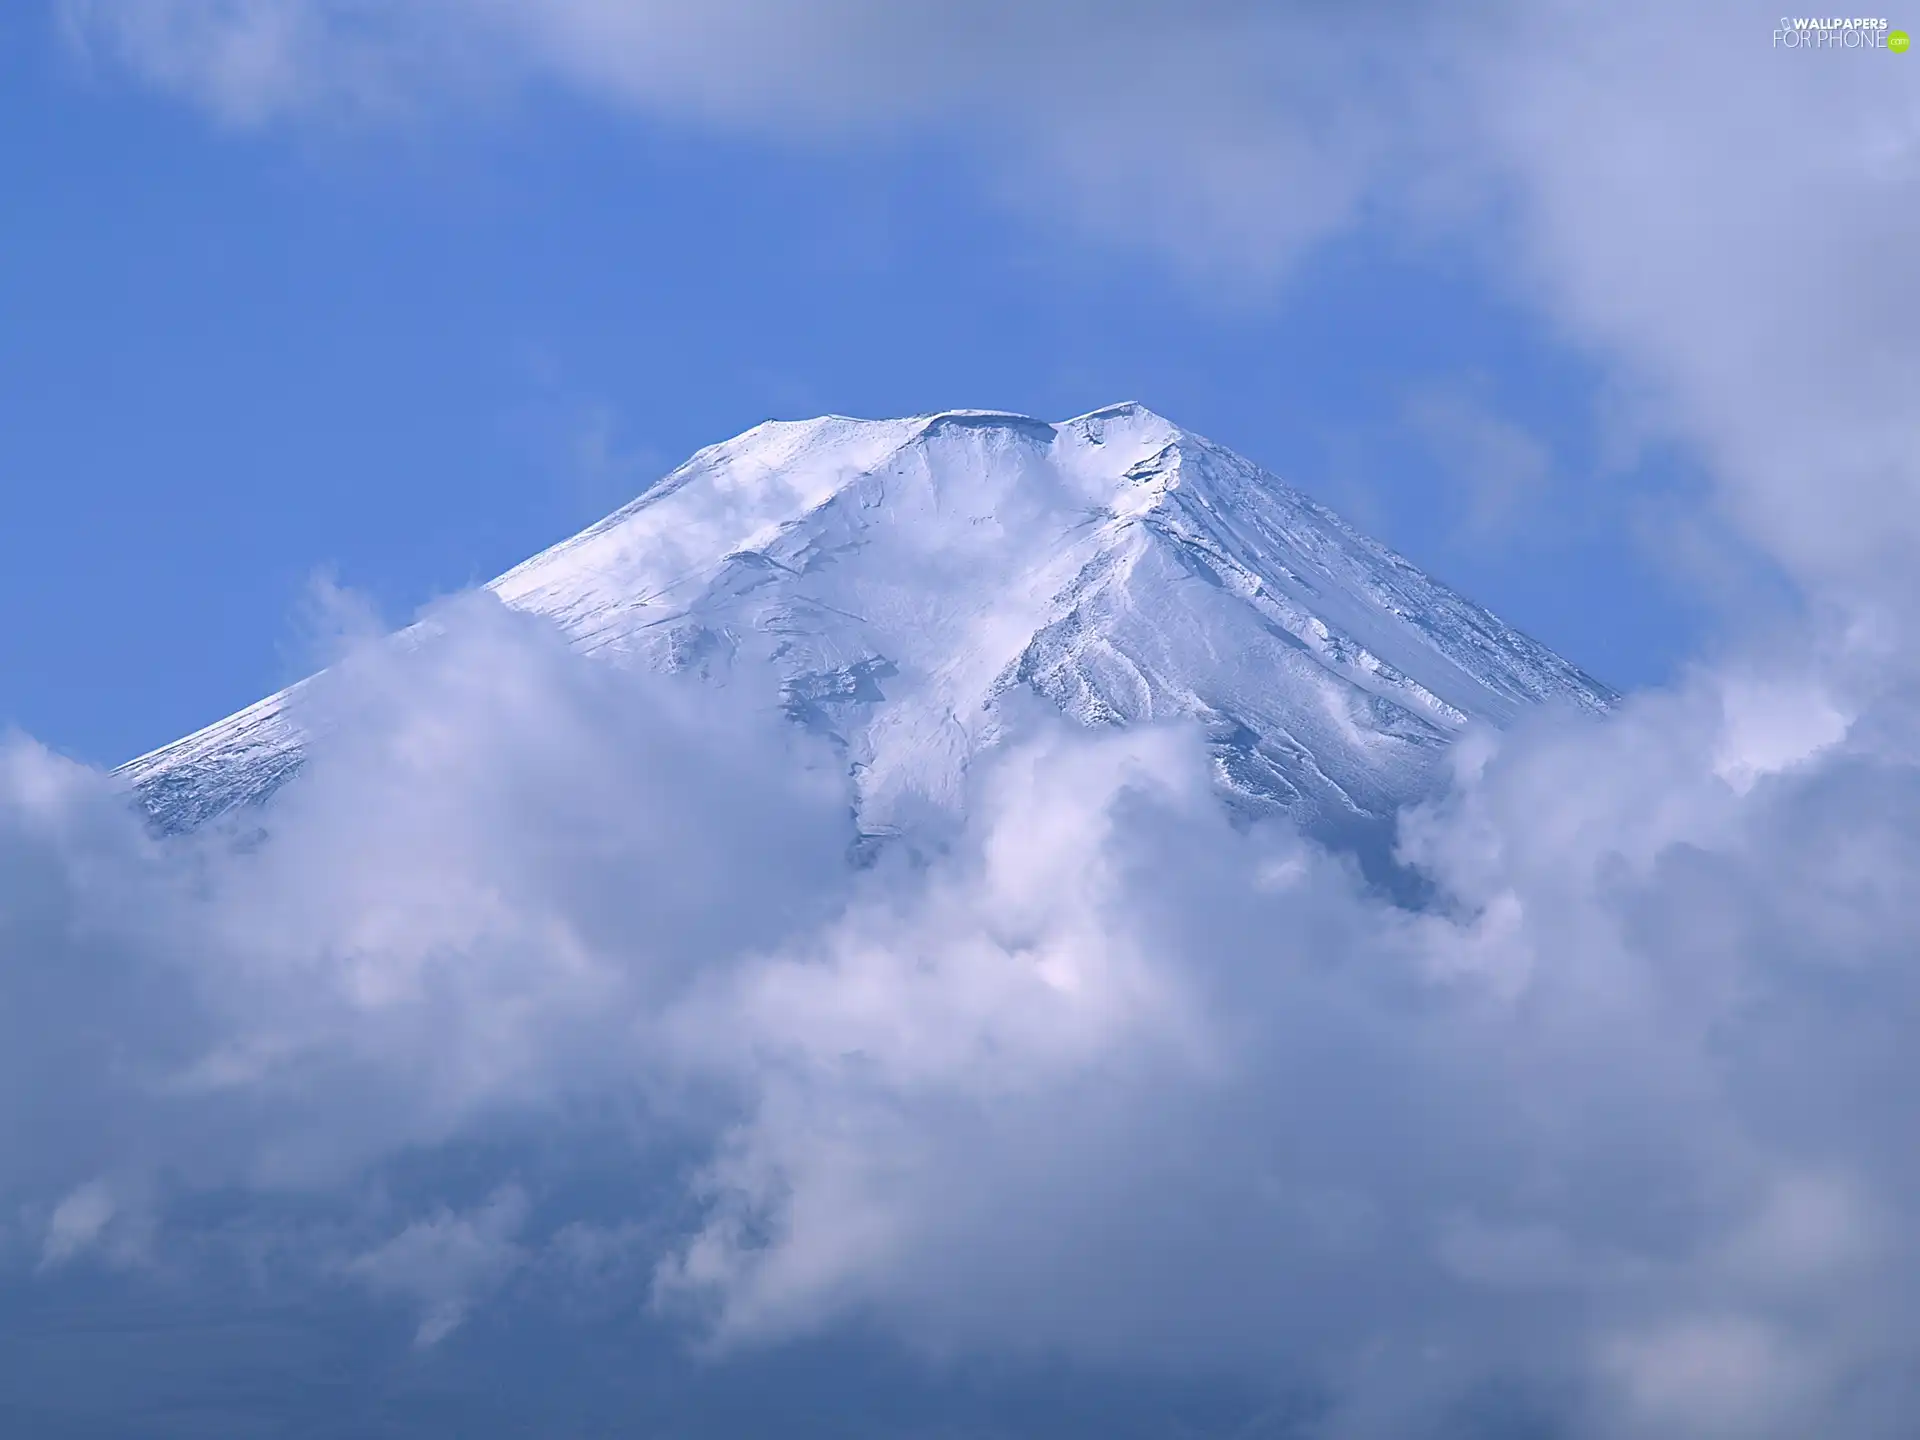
1615, 1128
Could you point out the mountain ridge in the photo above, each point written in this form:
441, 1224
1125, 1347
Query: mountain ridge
902, 576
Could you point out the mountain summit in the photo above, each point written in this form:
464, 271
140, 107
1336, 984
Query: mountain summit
903, 576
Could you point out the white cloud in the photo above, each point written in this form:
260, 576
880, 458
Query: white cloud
1725, 222
1724, 225
1770, 726
443, 1263
1618, 1121
1159, 121
77, 1222
1721, 1375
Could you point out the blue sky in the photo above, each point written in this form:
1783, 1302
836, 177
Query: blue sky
233, 359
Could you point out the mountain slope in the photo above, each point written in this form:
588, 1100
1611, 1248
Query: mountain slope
901, 576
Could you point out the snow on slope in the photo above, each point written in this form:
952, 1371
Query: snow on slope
901, 576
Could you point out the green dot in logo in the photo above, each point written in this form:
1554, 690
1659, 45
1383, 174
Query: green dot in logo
1898, 41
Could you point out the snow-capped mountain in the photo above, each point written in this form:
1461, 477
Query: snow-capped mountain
903, 576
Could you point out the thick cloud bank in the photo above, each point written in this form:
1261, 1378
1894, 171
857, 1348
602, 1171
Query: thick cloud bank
548, 982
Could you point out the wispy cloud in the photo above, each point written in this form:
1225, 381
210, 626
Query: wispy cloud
1721, 224
1501, 470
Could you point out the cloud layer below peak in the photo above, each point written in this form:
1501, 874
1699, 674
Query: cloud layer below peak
550, 981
